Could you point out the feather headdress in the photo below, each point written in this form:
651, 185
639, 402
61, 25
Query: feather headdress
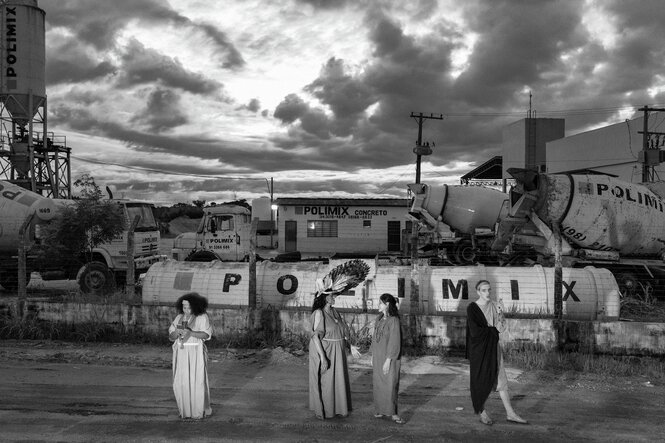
342, 278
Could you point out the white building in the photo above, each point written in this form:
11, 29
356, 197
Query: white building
613, 150
326, 226
539, 144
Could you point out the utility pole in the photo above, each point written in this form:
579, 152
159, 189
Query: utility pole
272, 187
419, 150
649, 156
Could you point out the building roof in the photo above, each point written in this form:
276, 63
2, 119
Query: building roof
342, 201
490, 170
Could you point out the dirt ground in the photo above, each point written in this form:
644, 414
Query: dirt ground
59, 391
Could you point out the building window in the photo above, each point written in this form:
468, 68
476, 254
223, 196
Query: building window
367, 223
321, 228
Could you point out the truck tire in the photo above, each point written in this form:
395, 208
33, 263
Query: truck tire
9, 279
464, 253
202, 256
95, 277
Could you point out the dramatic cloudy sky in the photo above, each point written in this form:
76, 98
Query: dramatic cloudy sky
179, 100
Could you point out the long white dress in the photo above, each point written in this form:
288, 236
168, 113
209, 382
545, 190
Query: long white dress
190, 371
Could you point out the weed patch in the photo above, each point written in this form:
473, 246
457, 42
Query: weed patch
536, 357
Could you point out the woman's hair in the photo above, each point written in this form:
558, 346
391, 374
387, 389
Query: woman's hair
197, 302
482, 282
391, 302
319, 301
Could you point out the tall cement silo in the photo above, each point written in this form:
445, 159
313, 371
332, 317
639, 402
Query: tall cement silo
30, 156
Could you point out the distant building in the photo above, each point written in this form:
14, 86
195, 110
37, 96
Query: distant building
540, 144
525, 143
489, 175
327, 226
613, 150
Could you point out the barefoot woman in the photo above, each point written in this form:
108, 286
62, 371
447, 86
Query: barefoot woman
485, 320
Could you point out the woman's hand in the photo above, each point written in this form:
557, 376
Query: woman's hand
386, 366
325, 364
355, 352
185, 334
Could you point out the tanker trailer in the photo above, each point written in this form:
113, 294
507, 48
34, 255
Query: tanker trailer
16, 204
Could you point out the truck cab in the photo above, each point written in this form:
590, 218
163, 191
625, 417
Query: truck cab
223, 234
109, 263
146, 240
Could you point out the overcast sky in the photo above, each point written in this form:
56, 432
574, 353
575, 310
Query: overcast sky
169, 100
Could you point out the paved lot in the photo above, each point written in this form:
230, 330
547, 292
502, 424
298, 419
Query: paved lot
101, 392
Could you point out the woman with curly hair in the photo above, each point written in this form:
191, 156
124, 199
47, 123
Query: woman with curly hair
386, 363
190, 329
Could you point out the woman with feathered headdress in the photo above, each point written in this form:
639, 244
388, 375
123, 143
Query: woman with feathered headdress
329, 387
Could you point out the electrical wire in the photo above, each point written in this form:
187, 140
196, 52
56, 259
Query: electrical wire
630, 140
405, 171
571, 112
162, 171
563, 112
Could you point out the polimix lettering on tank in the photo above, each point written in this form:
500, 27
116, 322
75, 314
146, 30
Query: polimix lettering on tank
603, 221
589, 293
11, 46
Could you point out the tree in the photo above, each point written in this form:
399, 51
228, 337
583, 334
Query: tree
199, 203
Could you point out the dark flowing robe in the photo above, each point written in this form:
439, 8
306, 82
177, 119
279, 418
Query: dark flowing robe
482, 353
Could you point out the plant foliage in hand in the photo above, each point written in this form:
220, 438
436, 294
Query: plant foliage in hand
344, 277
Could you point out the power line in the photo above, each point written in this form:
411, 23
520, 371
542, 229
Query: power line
564, 112
385, 187
161, 171
561, 112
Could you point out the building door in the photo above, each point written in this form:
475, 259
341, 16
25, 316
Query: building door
290, 236
394, 235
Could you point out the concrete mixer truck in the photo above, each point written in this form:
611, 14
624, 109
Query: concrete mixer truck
109, 260
597, 220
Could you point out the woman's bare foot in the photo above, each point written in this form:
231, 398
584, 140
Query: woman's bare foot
485, 419
516, 419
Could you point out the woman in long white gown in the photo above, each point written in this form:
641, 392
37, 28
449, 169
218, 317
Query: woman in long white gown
189, 330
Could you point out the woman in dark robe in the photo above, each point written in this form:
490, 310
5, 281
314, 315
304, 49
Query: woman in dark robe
485, 321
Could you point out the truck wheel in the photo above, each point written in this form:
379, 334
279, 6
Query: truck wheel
628, 284
465, 254
202, 256
95, 277
9, 279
